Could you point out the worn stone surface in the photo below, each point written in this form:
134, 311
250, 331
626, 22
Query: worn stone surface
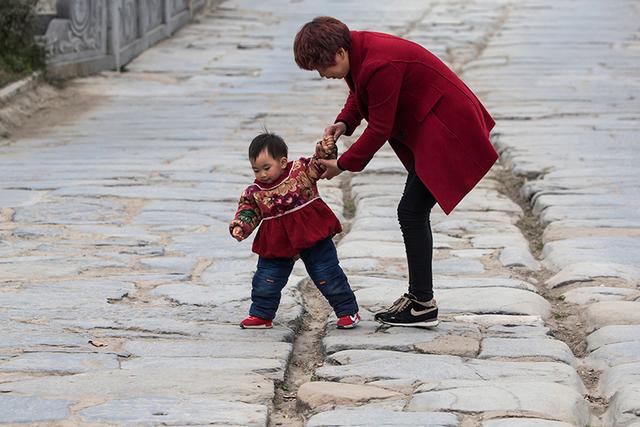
612, 334
612, 313
454, 345
119, 384
587, 271
620, 250
614, 354
29, 409
368, 417
589, 295
176, 411
543, 348
618, 376
534, 397
320, 393
370, 365
369, 335
113, 227
524, 422
60, 363
624, 407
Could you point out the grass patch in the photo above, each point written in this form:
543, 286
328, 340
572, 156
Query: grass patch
20, 54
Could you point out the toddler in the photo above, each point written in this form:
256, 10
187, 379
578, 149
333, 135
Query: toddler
295, 222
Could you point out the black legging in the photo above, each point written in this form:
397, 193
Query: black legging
413, 214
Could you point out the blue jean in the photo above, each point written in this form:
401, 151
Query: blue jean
321, 262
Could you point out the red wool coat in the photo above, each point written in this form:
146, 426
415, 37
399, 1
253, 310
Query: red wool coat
432, 120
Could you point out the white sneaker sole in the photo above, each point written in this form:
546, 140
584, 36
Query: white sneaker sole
429, 324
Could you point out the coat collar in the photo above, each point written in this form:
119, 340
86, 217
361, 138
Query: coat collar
355, 58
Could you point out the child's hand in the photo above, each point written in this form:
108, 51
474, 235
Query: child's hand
237, 233
328, 145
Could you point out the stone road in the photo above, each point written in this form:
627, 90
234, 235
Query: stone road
120, 288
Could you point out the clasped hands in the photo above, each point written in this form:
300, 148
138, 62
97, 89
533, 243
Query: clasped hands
332, 132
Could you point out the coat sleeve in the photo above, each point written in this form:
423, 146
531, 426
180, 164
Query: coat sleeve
350, 115
383, 91
247, 216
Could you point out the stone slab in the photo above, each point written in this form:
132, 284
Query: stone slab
587, 271
316, 394
518, 257
442, 282
542, 348
189, 410
29, 409
491, 320
612, 334
369, 335
624, 407
364, 249
617, 377
174, 264
381, 417
171, 382
217, 348
60, 363
592, 294
524, 422
614, 354
457, 266
370, 365
612, 313
556, 401
71, 212
619, 250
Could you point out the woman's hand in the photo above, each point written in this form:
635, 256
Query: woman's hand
332, 168
237, 233
336, 130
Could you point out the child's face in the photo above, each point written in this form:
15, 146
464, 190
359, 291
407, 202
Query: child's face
268, 169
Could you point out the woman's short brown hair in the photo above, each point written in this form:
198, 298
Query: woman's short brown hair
318, 41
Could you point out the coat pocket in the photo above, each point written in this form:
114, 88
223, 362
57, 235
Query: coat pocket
426, 101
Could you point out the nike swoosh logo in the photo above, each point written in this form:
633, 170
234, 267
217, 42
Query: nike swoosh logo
421, 312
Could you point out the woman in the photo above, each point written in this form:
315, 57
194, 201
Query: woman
432, 120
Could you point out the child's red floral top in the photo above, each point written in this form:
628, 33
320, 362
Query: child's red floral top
293, 215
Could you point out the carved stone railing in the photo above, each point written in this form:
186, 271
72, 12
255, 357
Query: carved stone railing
87, 36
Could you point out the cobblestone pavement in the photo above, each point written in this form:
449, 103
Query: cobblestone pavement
121, 288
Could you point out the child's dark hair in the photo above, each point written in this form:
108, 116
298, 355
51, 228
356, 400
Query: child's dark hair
275, 146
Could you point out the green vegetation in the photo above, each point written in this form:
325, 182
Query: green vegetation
349, 208
20, 55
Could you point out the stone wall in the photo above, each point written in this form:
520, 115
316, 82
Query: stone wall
87, 36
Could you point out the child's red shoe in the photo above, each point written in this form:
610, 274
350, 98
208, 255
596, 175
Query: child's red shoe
253, 322
348, 321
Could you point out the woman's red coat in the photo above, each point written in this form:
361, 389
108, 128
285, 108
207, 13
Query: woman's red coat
432, 120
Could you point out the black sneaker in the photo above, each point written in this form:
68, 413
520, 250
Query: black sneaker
408, 311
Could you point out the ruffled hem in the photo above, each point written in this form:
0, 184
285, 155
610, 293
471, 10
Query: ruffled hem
286, 236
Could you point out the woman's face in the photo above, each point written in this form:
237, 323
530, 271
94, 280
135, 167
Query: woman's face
339, 69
